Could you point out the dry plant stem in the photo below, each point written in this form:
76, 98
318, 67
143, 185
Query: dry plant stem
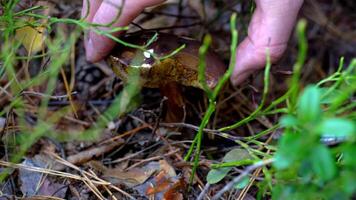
83, 123
92, 187
87, 155
237, 179
127, 133
48, 171
149, 126
96, 180
204, 191
211, 131
134, 154
57, 97
72, 68
153, 158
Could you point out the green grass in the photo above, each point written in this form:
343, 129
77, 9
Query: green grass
58, 52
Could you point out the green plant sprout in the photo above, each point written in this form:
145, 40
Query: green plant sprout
212, 94
59, 49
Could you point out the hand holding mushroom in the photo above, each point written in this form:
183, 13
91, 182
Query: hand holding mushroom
270, 27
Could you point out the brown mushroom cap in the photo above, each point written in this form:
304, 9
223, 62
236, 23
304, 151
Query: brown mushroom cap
181, 67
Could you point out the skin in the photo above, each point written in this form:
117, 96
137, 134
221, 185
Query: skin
270, 28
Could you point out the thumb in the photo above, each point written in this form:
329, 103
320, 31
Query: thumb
270, 28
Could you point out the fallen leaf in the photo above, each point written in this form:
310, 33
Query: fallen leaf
167, 168
130, 178
31, 38
175, 192
36, 183
162, 183
166, 185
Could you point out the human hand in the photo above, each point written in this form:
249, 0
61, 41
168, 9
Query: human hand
270, 27
104, 12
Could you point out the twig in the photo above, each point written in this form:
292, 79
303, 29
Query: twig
134, 154
204, 191
153, 158
212, 131
46, 95
86, 155
237, 179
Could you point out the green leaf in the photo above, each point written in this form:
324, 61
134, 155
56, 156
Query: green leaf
328, 96
243, 183
236, 155
323, 163
337, 127
309, 109
349, 155
290, 149
288, 121
216, 175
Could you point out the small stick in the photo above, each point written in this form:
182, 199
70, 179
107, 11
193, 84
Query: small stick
204, 191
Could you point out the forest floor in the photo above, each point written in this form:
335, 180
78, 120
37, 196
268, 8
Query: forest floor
67, 131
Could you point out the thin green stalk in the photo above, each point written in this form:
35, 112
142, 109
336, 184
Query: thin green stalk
28, 10
171, 54
262, 133
234, 163
297, 69
202, 66
253, 115
212, 100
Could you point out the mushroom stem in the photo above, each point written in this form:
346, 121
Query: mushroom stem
174, 107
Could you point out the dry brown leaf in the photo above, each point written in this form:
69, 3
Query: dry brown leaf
175, 192
31, 38
167, 168
36, 184
166, 185
130, 178
162, 183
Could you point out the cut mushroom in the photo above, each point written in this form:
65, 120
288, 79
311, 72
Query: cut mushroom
178, 69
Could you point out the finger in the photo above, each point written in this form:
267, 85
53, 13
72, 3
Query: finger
99, 46
270, 28
93, 6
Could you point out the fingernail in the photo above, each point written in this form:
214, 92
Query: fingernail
89, 48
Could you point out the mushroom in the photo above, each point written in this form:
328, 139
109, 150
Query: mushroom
167, 74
